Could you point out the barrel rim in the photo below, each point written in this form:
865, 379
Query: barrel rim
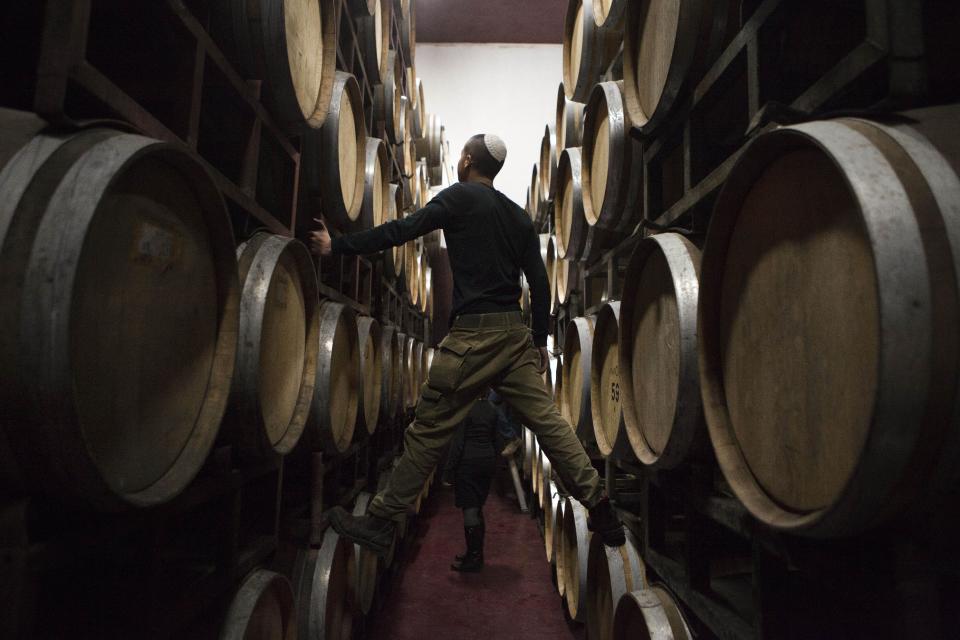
331, 314
570, 168
255, 585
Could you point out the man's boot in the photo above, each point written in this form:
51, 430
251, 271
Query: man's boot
605, 522
368, 531
472, 561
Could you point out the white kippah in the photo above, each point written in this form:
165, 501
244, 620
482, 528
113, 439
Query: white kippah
495, 146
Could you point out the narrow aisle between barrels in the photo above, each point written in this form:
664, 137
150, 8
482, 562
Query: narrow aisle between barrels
512, 598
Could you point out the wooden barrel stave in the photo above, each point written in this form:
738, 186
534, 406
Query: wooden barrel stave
276, 366
333, 414
612, 170
393, 258
371, 372
612, 572
180, 280
662, 409
882, 467
577, 356
324, 583
262, 609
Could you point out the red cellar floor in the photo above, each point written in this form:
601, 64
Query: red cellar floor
512, 598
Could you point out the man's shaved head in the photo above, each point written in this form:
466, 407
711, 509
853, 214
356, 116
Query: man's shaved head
487, 153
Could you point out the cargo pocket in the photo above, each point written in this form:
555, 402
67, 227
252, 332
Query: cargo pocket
446, 372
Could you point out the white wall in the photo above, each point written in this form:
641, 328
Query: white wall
506, 89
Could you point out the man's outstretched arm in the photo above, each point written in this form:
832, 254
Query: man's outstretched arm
389, 234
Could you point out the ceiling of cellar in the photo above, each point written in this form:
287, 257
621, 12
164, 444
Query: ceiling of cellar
528, 21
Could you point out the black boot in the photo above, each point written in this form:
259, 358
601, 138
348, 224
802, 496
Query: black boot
482, 527
604, 522
368, 531
472, 562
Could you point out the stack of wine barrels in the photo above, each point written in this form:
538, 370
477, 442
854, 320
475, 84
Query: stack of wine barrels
803, 343
145, 323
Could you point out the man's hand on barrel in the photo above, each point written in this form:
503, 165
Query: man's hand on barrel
320, 243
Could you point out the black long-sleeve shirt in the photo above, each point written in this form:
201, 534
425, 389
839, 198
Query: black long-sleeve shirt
489, 239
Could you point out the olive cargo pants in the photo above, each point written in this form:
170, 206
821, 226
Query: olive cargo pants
492, 350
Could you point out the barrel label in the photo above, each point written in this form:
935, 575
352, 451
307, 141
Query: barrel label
615, 384
155, 247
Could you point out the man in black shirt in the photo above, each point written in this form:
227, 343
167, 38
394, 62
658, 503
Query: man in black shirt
490, 240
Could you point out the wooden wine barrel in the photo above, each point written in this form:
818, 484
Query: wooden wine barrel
537, 470
416, 371
393, 261
373, 25
336, 395
390, 372
405, 343
587, 50
869, 282
534, 198
576, 552
291, 47
119, 316
612, 171
409, 151
367, 564
569, 220
412, 253
276, 365
550, 520
424, 189
610, 14
387, 98
549, 155
577, 355
324, 584
429, 352
528, 444
419, 108
371, 372
388, 558
649, 613
546, 480
334, 158
408, 29
667, 46
559, 571
660, 381
612, 572
262, 609
429, 147
605, 386
376, 188
550, 262
568, 275
569, 127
